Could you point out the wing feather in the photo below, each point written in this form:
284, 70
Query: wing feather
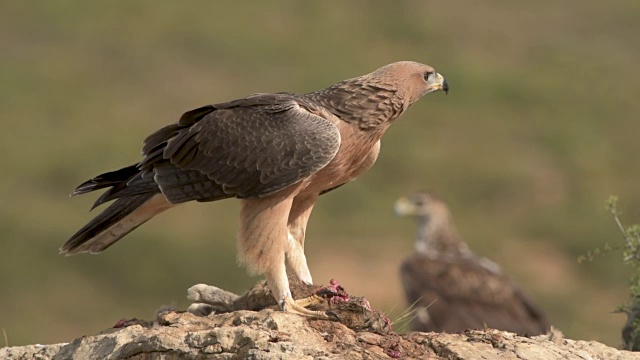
248, 148
463, 294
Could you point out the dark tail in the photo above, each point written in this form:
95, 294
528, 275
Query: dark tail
137, 200
118, 178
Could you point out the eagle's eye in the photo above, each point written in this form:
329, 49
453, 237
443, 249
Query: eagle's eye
427, 74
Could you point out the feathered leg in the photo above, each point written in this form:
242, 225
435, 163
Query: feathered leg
299, 215
263, 243
295, 259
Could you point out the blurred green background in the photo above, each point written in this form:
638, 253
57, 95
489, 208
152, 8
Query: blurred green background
540, 126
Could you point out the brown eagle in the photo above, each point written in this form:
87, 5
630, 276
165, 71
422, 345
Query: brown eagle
275, 152
452, 288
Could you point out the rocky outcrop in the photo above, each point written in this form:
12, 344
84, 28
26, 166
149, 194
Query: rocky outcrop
271, 334
229, 330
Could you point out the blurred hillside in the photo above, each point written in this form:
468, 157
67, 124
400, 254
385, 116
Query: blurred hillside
540, 126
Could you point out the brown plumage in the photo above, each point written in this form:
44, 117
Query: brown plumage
275, 152
452, 288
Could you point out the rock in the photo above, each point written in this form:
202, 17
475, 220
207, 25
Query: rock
30, 352
233, 329
272, 334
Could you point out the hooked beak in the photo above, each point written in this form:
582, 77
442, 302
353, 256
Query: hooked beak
438, 82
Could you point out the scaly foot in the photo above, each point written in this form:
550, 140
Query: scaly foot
299, 307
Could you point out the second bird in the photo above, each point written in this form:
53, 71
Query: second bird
453, 289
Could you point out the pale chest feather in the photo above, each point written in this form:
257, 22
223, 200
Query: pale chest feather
358, 152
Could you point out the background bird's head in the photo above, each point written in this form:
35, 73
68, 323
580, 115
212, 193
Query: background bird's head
436, 232
422, 205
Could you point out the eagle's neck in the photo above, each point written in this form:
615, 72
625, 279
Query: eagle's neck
421, 244
369, 105
438, 236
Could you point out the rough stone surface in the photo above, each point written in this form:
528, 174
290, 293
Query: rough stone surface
270, 334
31, 352
223, 325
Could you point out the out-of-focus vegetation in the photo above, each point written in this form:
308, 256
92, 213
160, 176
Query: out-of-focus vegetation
630, 247
540, 125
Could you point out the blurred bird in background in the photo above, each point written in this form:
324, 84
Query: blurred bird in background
453, 289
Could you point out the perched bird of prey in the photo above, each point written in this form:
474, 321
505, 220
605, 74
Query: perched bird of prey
452, 288
275, 152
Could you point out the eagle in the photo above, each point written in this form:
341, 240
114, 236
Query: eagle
276, 153
453, 289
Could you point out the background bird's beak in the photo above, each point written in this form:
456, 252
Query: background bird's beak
438, 82
404, 207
